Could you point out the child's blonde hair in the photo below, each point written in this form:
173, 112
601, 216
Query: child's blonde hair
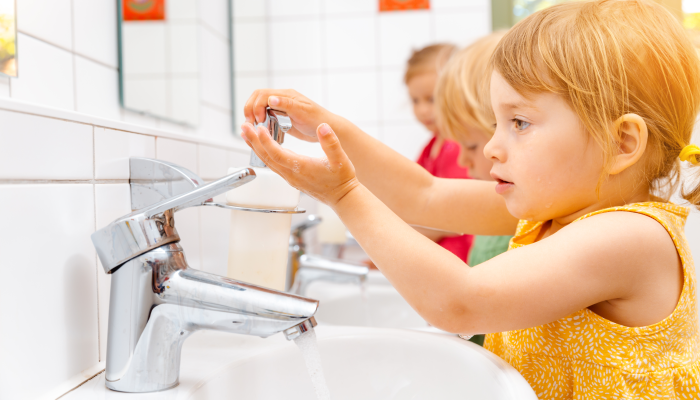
461, 93
608, 58
428, 59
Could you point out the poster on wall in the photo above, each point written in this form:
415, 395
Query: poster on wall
402, 5
8, 38
144, 10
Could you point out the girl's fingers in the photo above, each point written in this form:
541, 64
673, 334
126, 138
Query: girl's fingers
331, 146
284, 158
251, 138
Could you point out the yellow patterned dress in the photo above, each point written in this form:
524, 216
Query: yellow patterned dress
585, 356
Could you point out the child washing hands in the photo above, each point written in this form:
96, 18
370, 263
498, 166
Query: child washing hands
439, 157
465, 117
594, 105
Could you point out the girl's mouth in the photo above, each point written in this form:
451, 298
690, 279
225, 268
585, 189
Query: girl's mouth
503, 186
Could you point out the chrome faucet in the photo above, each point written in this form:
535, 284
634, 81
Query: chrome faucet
157, 301
308, 268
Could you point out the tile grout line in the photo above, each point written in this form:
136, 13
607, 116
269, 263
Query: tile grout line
75, 53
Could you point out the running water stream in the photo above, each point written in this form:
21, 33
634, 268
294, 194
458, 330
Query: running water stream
309, 350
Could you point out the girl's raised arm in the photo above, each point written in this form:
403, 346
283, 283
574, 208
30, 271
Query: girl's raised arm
453, 205
618, 260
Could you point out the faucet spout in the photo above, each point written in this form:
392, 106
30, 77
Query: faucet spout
157, 301
314, 268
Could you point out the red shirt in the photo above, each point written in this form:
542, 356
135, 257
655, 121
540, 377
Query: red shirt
445, 166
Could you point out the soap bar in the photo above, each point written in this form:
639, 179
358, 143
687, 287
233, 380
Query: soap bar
259, 242
267, 190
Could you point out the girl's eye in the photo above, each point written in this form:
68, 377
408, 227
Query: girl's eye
520, 124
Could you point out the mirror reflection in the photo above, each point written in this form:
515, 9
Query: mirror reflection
8, 38
159, 58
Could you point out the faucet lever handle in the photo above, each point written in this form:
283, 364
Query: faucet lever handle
201, 194
277, 123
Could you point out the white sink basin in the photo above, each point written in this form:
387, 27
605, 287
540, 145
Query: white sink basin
366, 364
379, 306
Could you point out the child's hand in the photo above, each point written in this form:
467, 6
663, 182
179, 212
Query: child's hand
325, 179
304, 113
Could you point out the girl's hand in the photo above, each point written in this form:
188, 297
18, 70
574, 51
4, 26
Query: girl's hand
305, 114
325, 179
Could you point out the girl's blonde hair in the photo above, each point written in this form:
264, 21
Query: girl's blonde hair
608, 58
461, 93
428, 59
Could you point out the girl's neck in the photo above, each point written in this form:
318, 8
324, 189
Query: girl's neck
638, 196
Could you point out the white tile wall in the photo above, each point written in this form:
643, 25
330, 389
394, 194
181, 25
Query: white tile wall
4, 86
347, 56
146, 53
244, 88
96, 89
95, 30
408, 138
179, 152
213, 162
342, 7
311, 85
182, 10
350, 42
396, 104
48, 20
68, 60
249, 9
49, 287
215, 69
184, 96
217, 124
215, 15
44, 148
354, 95
295, 45
461, 28
400, 33
113, 149
290, 8
184, 35
46, 74
147, 94
250, 44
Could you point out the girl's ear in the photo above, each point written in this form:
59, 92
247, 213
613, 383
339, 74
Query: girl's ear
632, 144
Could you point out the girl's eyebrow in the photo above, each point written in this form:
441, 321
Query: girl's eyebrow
520, 104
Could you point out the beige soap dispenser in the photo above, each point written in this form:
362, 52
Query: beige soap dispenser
259, 241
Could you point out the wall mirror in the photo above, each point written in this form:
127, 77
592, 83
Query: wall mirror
159, 58
8, 38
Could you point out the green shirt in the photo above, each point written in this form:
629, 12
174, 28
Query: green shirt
485, 248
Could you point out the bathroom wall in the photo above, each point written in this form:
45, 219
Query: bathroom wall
65, 143
347, 56
64, 146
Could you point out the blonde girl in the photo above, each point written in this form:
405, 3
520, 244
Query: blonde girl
594, 105
464, 116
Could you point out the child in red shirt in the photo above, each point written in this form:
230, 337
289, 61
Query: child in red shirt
439, 157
